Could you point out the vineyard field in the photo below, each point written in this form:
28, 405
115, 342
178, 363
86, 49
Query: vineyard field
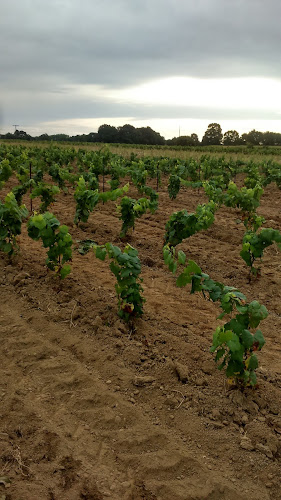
95, 408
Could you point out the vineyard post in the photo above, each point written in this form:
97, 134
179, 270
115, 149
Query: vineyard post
30, 189
157, 177
103, 180
199, 176
199, 171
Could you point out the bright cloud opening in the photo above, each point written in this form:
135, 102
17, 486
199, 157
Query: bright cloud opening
227, 93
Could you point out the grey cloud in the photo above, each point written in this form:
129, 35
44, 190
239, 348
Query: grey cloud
46, 46
69, 108
120, 42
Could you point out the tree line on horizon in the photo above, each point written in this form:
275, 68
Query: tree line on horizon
128, 134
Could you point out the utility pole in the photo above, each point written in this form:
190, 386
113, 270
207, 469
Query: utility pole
15, 127
179, 130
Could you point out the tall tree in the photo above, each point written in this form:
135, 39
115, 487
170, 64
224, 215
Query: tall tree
21, 134
271, 139
213, 135
195, 139
254, 137
107, 133
231, 138
127, 134
147, 135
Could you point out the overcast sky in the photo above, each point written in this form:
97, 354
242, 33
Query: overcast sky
72, 65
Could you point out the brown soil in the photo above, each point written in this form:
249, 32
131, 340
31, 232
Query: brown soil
92, 410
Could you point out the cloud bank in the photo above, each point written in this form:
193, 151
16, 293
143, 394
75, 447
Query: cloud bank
104, 59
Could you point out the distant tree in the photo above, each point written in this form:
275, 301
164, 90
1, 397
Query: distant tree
9, 135
59, 137
184, 140
21, 134
92, 137
107, 133
271, 139
231, 138
43, 137
195, 139
145, 135
79, 138
127, 134
213, 135
254, 138
170, 142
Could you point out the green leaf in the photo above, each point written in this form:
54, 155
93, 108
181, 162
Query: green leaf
247, 339
226, 336
183, 280
125, 273
65, 270
234, 344
253, 362
181, 257
219, 354
257, 313
168, 259
193, 268
166, 254
258, 338
100, 253
115, 269
234, 368
253, 378
173, 267
7, 247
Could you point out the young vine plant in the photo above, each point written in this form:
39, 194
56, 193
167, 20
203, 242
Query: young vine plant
126, 267
182, 225
254, 244
235, 342
47, 193
55, 237
247, 200
11, 217
174, 186
87, 199
5, 171
131, 209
